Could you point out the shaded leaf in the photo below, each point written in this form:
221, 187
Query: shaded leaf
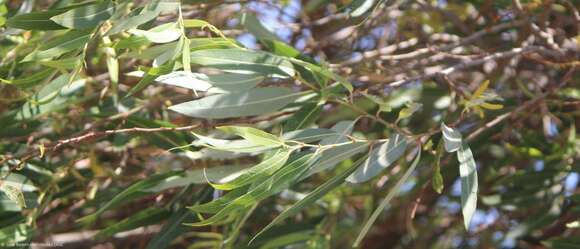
85, 17
368, 224
312, 197
69, 41
36, 20
267, 167
305, 116
380, 158
142, 218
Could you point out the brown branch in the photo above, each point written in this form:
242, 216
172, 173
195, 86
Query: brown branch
467, 64
521, 108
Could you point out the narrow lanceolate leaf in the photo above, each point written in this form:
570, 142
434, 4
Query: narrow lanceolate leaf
279, 181
437, 178
361, 7
343, 130
265, 168
331, 157
128, 194
451, 137
239, 145
468, 174
244, 61
309, 135
69, 41
409, 110
252, 24
149, 77
172, 229
312, 197
380, 158
368, 224
145, 217
219, 83
13, 193
85, 17
35, 21
163, 33
253, 135
303, 117
229, 105
218, 204
31, 80
138, 17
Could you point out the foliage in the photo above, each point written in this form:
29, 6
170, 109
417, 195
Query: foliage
289, 124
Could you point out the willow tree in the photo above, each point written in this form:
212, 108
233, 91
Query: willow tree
289, 124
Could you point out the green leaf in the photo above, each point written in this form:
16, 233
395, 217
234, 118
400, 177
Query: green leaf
244, 61
14, 193
361, 7
171, 230
437, 179
163, 33
451, 137
169, 55
85, 17
253, 135
343, 129
252, 24
309, 135
150, 77
241, 146
15, 233
218, 204
51, 90
31, 80
562, 243
219, 83
144, 217
468, 174
409, 110
312, 197
64, 64
52, 97
198, 176
305, 116
140, 16
267, 167
279, 181
368, 224
74, 39
128, 194
380, 158
331, 157
384, 106
35, 20
253, 102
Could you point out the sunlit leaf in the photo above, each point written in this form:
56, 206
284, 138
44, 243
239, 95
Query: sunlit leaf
253, 102
469, 186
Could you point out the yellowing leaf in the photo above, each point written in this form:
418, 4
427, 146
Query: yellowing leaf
480, 89
490, 106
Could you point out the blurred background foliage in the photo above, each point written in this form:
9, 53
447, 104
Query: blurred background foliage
412, 65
